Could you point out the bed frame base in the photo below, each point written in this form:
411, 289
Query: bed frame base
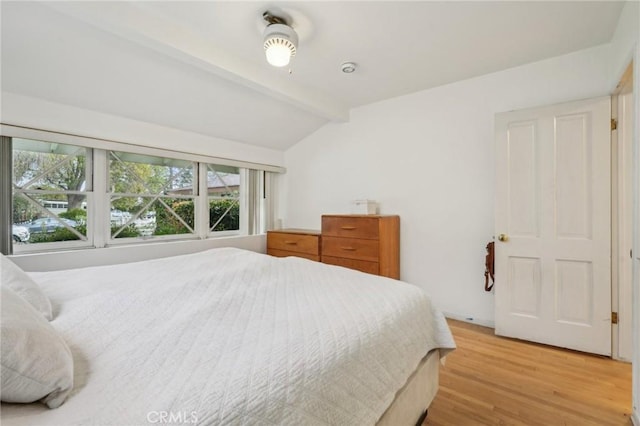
408, 407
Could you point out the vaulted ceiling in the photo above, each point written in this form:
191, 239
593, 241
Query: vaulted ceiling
199, 66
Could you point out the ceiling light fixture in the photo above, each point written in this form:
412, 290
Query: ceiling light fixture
280, 41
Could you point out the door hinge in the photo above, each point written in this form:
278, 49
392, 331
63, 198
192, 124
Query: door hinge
614, 124
614, 317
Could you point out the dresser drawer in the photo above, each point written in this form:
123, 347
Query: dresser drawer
350, 226
285, 253
358, 265
298, 243
351, 248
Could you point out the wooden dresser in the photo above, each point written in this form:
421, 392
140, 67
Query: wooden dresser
368, 243
294, 242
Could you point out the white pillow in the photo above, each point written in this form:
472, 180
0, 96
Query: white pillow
16, 279
36, 362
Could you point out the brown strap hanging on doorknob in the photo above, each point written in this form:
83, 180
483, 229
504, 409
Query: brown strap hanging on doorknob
489, 263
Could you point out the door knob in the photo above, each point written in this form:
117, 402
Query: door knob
503, 237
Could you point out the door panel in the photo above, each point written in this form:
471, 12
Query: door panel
553, 202
523, 187
573, 177
524, 274
574, 290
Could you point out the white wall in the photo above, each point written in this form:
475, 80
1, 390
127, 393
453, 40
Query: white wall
20, 110
429, 157
624, 40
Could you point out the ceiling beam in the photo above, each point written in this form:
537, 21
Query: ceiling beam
134, 24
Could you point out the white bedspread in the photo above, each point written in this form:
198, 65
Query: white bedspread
228, 336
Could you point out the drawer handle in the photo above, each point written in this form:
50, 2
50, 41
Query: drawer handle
348, 228
348, 248
291, 243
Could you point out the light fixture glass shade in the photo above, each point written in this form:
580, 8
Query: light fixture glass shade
278, 55
280, 44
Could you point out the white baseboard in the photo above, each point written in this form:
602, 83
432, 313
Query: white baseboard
635, 418
471, 320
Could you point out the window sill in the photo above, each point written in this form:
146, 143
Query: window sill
126, 253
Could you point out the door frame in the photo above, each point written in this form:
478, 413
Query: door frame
620, 296
635, 415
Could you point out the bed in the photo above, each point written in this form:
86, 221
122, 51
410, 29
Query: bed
228, 336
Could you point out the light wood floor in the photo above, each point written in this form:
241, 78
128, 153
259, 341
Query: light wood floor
491, 380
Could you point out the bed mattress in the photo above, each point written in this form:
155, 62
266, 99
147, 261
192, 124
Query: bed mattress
228, 336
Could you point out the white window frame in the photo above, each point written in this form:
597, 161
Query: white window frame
88, 193
99, 202
241, 205
111, 241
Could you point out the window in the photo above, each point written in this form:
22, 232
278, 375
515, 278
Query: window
50, 191
151, 196
67, 191
223, 194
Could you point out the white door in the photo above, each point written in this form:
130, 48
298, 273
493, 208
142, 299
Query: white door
553, 207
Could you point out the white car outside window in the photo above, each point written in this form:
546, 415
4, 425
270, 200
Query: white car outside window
20, 233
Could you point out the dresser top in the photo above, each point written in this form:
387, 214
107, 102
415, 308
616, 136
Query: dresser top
296, 231
360, 215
